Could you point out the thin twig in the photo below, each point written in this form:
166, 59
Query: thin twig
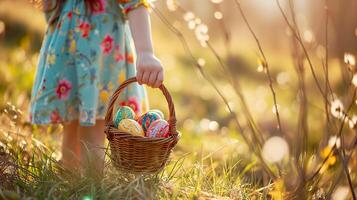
257, 134
334, 146
326, 62
298, 37
265, 64
236, 86
345, 168
302, 122
339, 174
211, 82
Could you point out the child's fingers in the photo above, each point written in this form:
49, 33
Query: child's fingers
152, 79
159, 79
146, 76
139, 76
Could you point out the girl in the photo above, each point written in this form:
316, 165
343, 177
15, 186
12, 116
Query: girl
86, 54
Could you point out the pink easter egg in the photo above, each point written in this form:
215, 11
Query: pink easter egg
146, 119
159, 128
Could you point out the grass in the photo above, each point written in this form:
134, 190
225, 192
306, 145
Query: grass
30, 170
207, 163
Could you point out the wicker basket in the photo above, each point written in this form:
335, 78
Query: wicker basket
137, 154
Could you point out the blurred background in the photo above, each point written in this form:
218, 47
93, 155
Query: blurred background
203, 117
21, 36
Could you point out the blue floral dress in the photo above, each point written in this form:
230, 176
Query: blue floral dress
83, 59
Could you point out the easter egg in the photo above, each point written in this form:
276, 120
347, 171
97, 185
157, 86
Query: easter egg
158, 112
131, 126
159, 128
124, 112
146, 119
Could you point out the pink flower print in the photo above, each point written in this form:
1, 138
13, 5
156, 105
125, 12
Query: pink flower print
118, 56
85, 28
55, 116
132, 103
63, 89
69, 14
98, 6
59, 25
107, 44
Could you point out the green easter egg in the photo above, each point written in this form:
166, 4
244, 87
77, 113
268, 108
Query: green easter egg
124, 112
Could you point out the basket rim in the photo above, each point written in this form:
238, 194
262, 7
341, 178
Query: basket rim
172, 115
113, 132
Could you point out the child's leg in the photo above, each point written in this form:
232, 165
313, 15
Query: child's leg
70, 145
92, 147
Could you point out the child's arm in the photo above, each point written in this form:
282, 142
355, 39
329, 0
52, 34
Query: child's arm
149, 68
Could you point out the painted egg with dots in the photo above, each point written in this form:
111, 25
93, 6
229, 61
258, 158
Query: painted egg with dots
161, 114
159, 129
146, 119
124, 112
131, 126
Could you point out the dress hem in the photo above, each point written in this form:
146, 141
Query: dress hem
49, 122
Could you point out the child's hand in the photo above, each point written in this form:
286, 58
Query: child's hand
149, 70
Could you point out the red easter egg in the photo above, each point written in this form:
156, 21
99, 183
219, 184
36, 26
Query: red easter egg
158, 128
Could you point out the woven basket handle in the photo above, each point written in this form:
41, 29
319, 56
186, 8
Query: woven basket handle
114, 97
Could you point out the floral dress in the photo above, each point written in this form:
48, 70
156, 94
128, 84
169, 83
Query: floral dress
83, 59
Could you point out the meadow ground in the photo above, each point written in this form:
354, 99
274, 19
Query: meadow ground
275, 122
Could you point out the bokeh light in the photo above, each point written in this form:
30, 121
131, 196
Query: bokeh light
2, 27
350, 59
334, 140
341, 193
218, 15
354, 80
283, 78
217, 1
275, 149
337, 109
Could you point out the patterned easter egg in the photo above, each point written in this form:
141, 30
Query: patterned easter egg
158, 112
124, 112
131, 126
146, 119
159, 128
